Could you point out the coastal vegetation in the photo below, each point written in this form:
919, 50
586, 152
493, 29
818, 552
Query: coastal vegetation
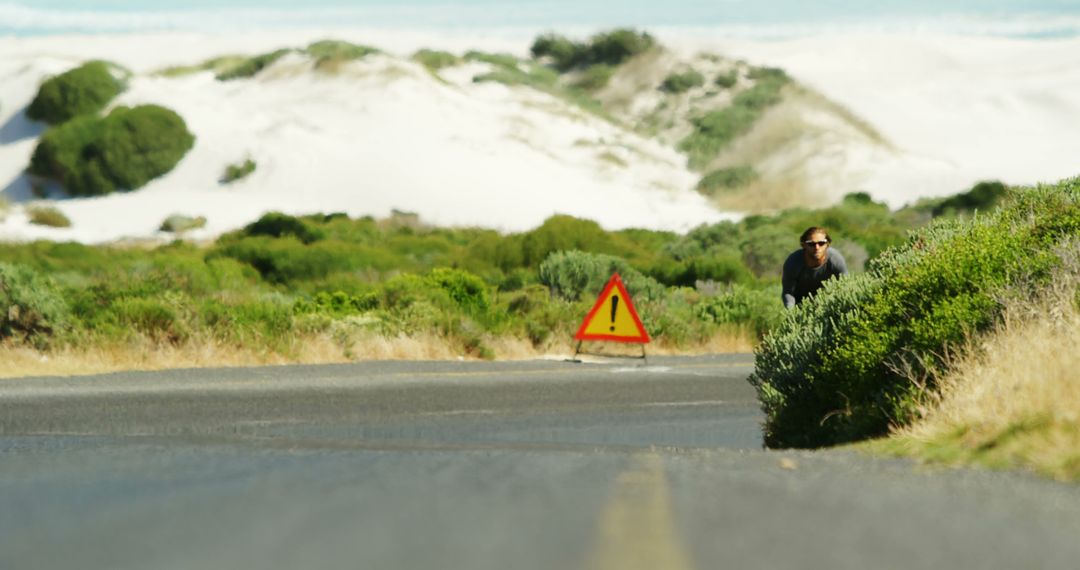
47, 216
870, 351
716, 129
284, 284
682, 82
234, 172
84, 90
92, 156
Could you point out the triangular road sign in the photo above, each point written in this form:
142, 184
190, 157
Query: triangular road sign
613, 317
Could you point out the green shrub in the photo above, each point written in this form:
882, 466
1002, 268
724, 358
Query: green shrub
234, 172
435, 60
607, 48
85, 90
179, 223
984, 196
330, 53
572, 275
866, 350
468, 291
503, 60
277, 224
615, 47
246, 68
595, 77
727, 80
564, 53
561, 232
48, 216
337, 304
737, 304
263, 322
123, 151
716, 129
31, 306
286, 260
726, 179
158, 318
682, 82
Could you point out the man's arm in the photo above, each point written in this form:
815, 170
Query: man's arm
838, 262
787, 282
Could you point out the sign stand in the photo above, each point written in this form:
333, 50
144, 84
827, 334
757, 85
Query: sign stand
613, 319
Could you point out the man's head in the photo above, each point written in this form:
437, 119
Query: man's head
815, 244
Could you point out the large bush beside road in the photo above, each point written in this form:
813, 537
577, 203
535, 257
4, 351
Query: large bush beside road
866, 351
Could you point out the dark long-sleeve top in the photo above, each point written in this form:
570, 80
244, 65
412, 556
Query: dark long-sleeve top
800, 281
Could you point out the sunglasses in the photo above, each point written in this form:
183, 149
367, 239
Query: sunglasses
818, 243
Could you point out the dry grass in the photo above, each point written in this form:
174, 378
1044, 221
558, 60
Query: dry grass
20, 361
1013, 401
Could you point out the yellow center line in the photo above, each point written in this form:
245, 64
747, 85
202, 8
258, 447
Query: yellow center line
636, 530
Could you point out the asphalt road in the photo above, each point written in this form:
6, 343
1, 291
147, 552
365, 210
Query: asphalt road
478, 465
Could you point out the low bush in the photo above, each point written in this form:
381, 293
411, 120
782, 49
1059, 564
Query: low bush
48, 216
337, 304
287, 260
276, 224
682, 82
179, 223
610, 48
32, 307
331, 53
736, 304
564, 53
727, 80
92, 156
572, 275
234, 172
595, 77
982, 197
85, 90
726, 179
468, 291
863, 354
249, 67
714, 130
435, 60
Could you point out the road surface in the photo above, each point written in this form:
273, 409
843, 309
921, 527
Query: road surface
544, 464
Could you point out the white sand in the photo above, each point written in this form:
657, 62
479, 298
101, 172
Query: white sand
959, 109
384, 135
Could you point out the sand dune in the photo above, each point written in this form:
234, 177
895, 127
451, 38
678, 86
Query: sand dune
383, 134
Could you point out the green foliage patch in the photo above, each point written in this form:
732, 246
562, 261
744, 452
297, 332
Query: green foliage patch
863, 354
682, 82
610, 48
92, 156
31, 306
714, 130
726, 179
85, 90
331, 53
435, 60
48, 216
234, 172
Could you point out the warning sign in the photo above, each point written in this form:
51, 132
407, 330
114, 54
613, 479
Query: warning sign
613, 317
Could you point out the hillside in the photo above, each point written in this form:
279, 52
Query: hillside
489, 140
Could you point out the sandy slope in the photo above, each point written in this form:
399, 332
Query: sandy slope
383, 134
959, 109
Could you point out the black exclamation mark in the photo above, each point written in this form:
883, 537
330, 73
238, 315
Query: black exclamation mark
614, 307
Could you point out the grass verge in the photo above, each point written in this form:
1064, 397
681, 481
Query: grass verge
146, 354
1012, 401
